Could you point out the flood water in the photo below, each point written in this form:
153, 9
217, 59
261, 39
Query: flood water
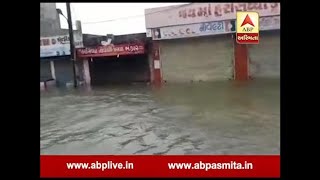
198, 118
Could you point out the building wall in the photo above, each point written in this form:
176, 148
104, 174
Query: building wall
80, 70
49, 20
150, 61
50, 26
90, 40
197, 59
265, 56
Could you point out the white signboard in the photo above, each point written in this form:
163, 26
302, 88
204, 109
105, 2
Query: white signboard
58, 45
191, 30
156, 64
149, 33
209, 28
204, 12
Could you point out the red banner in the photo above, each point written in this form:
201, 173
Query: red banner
111, 50
159, 166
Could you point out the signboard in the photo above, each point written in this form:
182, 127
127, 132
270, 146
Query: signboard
247, 28
191, 30
265, 23
204, 12
111, 50
149, 33
210, 28
58, 45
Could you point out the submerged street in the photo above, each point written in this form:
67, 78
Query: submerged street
199, 118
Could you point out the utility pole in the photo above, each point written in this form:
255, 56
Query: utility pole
72, 54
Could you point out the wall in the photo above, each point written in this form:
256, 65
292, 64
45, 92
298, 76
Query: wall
50, 26
150, 60
197, 59
77, 34
80, 70
204, 12
49, 20
210, 59
90, 40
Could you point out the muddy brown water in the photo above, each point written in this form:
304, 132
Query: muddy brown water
198, 118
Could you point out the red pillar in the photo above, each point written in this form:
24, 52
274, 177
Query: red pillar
241, 62
156, 65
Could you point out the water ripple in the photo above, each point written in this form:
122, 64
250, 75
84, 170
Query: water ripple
186, 119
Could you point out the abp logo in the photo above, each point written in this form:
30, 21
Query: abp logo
247, 28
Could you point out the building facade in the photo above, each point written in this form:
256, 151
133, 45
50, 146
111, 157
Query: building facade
55, 60
122, 59
196, 42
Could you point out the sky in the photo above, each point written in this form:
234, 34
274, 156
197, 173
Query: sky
91, 15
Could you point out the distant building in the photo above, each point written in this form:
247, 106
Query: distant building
49, 20
196, 42
115, 59
55, 60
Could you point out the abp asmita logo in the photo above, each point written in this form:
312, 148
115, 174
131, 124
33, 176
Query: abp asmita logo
247, 28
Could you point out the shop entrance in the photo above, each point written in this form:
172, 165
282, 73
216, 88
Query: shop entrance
119, 70
265, 56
